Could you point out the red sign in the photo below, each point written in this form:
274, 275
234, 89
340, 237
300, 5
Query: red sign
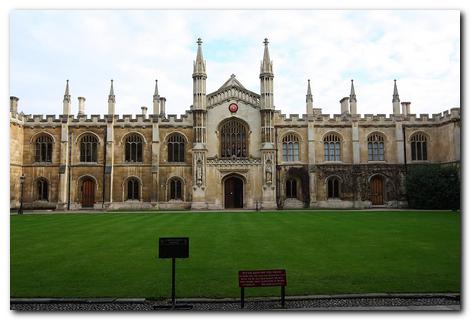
262, 278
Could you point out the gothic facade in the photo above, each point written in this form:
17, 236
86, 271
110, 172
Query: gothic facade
232, 149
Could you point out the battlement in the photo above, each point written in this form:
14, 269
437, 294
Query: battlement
328, 119
177, 120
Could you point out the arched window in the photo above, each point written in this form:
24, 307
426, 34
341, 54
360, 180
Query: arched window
133, 189
290, 148
176, 148
42, 190
233, 139
43, 149
175, 189
88, 149
418, 146
333, 187
376, 147
331, 147
133, 149
291, 188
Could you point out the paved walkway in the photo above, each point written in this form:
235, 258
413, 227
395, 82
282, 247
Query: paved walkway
349, 302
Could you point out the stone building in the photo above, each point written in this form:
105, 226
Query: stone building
232, 149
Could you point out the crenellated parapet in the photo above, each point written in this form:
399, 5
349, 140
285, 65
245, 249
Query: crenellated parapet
173, 120
342, 120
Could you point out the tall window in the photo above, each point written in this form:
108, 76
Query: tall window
43, 149
42, 190
176, 148
133, 149
175, 189
333, 187
133, 189
88, 148
331, 147
418, 146
233, 139
290, 148
376, 147
291, 190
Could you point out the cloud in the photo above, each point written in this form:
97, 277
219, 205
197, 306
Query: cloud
419, 48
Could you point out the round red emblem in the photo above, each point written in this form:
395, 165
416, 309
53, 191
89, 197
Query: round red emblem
233, 107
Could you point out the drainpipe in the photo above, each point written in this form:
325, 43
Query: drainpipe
104, 168
68, 172
277, 168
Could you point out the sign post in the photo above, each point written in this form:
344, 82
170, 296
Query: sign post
172, 248
258, 278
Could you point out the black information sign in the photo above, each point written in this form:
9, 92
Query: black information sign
174, 247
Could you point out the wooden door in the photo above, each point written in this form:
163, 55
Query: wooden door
233, 193
229, 193
377, 190
88, 193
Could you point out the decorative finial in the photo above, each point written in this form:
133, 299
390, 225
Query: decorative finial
199, 41
266, 41
232, 76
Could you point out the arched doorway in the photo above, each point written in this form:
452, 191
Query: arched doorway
233, 192
377, 190
88, 192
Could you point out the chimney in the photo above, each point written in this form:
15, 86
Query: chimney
81, 106
162, 106
144, 110
405, 108
344, 105
14, 104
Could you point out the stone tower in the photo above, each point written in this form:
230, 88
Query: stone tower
199, 127
267, 131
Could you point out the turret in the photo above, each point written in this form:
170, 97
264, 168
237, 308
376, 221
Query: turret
309, 100
66, 102
266, 79
396, 101
14, 104
199, 79
111, 100
353, 100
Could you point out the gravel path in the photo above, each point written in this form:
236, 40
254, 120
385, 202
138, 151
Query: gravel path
312, 303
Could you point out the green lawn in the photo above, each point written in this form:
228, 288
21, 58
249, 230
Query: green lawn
324, 252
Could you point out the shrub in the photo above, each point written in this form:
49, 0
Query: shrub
433, 187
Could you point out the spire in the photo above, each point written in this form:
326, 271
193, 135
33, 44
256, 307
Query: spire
156, 90
67, 94
395, 93
309, 100
199, 66
353, 97
111, 97
266, 66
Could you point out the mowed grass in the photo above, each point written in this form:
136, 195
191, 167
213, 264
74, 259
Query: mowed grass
115, 254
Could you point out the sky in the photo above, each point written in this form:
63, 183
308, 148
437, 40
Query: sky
421, 49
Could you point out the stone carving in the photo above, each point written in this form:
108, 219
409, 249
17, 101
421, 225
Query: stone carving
268, 170
199, 172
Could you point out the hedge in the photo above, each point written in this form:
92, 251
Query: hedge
433, 187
